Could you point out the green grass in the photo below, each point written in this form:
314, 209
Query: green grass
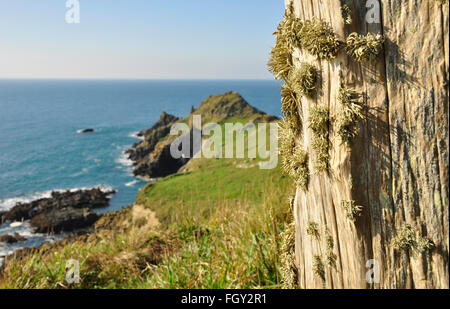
220, 227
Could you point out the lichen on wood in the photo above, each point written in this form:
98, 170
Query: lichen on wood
330, 255
280, 62
313, 229
352, 211
350, 114
288, 269
346, 12
319, 124
317, 37
364, 47
406, 239
318, 267
303, 79
294, 160
290, 108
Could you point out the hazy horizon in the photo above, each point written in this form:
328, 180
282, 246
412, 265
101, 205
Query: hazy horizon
138, 40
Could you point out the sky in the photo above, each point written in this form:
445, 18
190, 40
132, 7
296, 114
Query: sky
138, 39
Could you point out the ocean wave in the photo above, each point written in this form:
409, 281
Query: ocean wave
8, 203
124, 160
82, 172
146, 179
24, 230
131, 183
135, 135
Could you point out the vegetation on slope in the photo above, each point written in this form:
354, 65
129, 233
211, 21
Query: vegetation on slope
217, 225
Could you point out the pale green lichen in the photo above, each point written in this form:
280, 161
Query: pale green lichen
313, 229
288, 270
318, 267
280, 62
346, 12
316, 37
299, 169
294, 160
364, 47
286, 142
319, 124
350, 114
352, 211
290, 108
406, 239
303, 79
330, 256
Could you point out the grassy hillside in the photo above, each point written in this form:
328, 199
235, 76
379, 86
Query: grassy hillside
217, 225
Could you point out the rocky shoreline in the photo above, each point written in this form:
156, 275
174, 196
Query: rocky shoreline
68, 211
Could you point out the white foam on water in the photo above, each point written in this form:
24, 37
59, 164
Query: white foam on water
131, 183
135, 135
8, 203
125, 163
147, 179
24, 230
82, 172
124, 160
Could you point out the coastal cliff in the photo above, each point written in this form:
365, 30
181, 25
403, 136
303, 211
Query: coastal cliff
372, 211
152, 158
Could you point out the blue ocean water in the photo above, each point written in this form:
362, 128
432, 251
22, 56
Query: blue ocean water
40, 150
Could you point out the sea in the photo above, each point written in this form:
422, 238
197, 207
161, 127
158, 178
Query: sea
41, 149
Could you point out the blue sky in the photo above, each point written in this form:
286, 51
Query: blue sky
167, 39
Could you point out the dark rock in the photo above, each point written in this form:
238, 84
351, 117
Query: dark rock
66, 211
165, 120
152, 136
159, 164
66, 219
10, 239
86, 131
154, 166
